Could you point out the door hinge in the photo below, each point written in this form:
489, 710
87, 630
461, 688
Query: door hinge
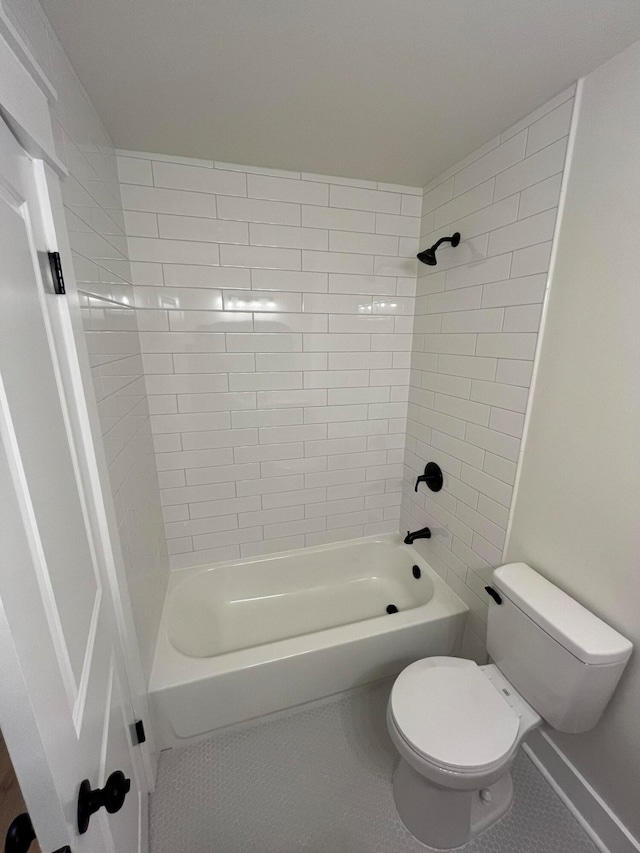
139, 735
56, 272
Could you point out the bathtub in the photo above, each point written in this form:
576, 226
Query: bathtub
247, 638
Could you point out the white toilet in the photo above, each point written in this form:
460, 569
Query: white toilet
458, 726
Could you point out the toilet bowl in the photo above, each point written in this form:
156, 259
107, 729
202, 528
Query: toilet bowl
457, 727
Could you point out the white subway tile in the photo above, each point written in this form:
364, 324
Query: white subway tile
339, 220
257, 210
540, 197
301, 282
197, 179
291, 361
389, 223
525, 232
262, 301
552, 126
210, 439
495, 161
336, 343
305, 432
486, 320
328, 414
359, 199
364, 284
221, 402
288, 236
191, 275
502, 469
265, 418
263, 381
501, 395
495, 442
514, 372
255, 342
437, 197
487, 484
258, 256
199, 228
222, 474
213, 363
291, 398
522, 318
508, 422
411, 205
340, 262
531, 171
337, 303
191, 422
353, 323
156, 200
173, 251
478, 272
367, 244
463, 204
283, 189
134, 171
515, 291
518, 346
141, 224
210, 321
181, 342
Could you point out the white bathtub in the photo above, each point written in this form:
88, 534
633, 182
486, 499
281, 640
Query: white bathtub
247, 638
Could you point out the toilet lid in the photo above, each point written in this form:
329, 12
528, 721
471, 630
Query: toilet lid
449, 713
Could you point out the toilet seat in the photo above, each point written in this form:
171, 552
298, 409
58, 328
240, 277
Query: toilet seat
449, 713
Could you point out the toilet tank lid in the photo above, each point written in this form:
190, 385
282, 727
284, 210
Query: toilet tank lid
569, 623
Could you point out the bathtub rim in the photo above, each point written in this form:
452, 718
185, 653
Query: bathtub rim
172, 668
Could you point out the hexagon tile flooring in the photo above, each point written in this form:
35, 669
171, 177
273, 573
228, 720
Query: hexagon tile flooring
319, 780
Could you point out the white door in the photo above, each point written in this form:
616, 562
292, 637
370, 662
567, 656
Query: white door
65, 706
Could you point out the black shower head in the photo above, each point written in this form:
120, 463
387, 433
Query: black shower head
429, 255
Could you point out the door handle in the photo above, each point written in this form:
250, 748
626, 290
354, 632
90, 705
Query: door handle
112, 797
19, 835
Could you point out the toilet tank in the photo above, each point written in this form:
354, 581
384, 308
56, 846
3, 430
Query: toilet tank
563, 659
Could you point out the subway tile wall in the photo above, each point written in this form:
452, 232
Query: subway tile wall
95, 222
476, 323
275, 313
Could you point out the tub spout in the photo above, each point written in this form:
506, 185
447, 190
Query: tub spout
410, 538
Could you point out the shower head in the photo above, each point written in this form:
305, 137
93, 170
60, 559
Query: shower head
429, 255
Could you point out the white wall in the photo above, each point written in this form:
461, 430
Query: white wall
276, 312
577, 511
95, 222
476, 322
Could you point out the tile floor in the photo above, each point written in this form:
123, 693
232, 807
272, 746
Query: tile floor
319, 780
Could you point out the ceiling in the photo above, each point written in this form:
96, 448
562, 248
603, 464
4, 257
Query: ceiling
388, 90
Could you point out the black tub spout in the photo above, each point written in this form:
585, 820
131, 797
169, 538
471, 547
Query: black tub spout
410, 538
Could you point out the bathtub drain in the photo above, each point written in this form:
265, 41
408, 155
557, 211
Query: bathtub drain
391, 608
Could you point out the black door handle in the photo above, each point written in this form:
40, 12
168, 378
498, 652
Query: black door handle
112, 797
19, 835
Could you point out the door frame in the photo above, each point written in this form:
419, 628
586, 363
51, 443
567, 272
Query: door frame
25, 95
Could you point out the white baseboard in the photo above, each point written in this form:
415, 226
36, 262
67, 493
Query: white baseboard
606, 830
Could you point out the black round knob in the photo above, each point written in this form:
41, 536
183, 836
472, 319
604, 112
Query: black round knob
112, 797
433, 476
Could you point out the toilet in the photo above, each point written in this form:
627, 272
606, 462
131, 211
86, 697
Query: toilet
458, 726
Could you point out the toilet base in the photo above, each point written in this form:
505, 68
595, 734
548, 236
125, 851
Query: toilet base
444, 818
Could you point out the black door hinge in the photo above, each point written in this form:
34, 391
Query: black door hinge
139, 735
56, 272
